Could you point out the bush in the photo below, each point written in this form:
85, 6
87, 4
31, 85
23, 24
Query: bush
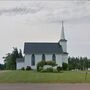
59, 68
42, 63
40, 68
52, 63
23, 68
28, 68
55, 71
64, 66
49, 69
44, 70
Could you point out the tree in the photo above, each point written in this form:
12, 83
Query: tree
20, 53
7, 61
10, 59
2, 67
81, 63
64, 66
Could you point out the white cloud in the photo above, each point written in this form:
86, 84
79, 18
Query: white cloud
49, 10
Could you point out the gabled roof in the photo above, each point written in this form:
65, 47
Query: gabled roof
42, 48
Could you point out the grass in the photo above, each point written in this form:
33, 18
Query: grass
37, 77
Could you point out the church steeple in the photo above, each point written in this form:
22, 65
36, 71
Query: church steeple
62, 33
63, 41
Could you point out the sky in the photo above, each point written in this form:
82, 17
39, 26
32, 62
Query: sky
40, 21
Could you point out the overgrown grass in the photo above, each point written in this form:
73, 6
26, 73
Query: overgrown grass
37, 77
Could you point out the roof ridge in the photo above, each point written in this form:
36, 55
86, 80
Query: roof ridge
42, 42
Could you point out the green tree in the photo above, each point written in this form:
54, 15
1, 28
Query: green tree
2, 67
81, 63
10, 59
20, 54
64, 66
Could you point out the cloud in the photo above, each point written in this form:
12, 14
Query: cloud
27, 8
13, 11
50, 11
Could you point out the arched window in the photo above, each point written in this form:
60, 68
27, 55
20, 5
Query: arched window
33, 60
43, 57
54, 57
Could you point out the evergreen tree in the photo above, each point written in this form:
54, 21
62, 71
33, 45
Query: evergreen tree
81, 63
20, 53
10, 59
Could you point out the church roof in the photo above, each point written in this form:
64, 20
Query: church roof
19, 59
42, 48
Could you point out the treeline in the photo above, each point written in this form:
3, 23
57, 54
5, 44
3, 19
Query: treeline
2, 66
81, 63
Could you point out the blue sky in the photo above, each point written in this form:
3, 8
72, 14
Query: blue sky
40, 21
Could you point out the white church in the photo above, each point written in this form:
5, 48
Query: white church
38, 51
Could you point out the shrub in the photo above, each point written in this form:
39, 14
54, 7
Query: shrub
55, 71
42, 63
64, 66
47, 66
59, 68
38, 68
44, 70
23, 68
52, 63
28, 68
49, 69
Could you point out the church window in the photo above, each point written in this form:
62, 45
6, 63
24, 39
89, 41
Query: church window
33, 60
54, 57
43, 57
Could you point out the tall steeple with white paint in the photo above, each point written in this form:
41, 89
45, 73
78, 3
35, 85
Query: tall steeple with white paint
62, 32
63, 41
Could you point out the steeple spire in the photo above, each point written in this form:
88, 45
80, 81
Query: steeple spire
63, 41
62, 33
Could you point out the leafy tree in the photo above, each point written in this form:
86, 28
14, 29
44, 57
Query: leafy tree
64, 66
10, 59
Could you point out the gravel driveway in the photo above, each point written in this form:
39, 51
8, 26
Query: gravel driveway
44, 86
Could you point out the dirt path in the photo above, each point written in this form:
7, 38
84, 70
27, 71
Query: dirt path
44, 86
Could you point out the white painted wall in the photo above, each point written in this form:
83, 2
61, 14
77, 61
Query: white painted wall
64, 45
38, 58
19, 65
59, 59
65, 58
27, 60
48, 57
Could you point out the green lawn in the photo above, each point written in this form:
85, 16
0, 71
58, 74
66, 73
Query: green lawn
36, 77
